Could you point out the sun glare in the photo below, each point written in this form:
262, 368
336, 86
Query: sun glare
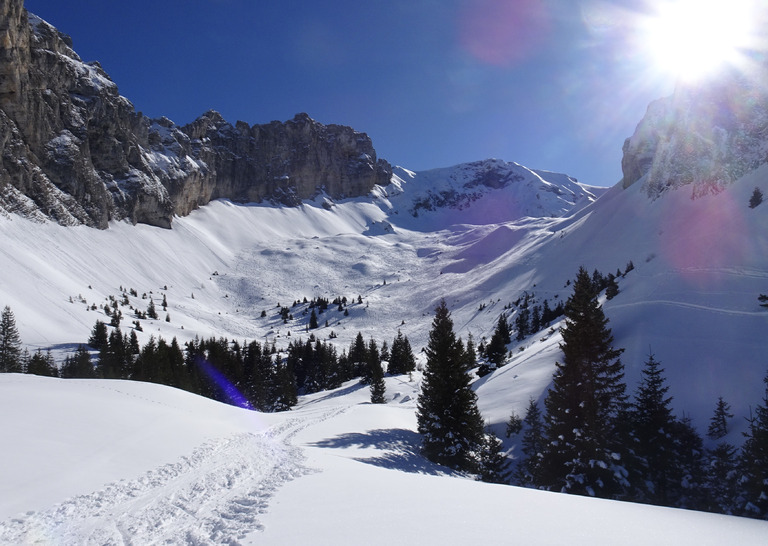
692, 38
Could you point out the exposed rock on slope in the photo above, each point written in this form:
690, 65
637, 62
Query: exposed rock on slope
72, 149
707, 136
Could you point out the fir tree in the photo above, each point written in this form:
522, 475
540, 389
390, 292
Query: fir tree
378, 386
401, 359
756, 198
753, 463
721, 479
79, 365
99, 336
528, 471
313, 320
151, 311
496, 351
42, 364
493, 463
584, 453
655, 444
447, 414
718, 425
612, 287
358, 355
10, 343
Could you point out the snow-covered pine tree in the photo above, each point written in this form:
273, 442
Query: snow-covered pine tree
10, 343
448, 419
583, 454
721, 479
493, 463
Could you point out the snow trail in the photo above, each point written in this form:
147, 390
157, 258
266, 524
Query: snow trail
212, 496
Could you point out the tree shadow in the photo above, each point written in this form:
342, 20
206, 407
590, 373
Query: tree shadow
400, 447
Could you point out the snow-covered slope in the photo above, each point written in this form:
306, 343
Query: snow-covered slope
335, 470
691, 299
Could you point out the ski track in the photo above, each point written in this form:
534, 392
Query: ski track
212, 496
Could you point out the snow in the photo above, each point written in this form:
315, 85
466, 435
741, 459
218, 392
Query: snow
119, 462
157, 465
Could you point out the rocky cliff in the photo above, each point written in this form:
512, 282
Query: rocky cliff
705, 136
73, 150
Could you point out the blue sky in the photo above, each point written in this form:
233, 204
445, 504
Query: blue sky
550, 84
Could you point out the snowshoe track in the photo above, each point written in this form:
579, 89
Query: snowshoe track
212, 496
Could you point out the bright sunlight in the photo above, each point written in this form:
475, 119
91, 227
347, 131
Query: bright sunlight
692, 38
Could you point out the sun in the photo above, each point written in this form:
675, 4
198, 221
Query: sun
693, 38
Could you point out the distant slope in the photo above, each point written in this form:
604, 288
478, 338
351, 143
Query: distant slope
691, 299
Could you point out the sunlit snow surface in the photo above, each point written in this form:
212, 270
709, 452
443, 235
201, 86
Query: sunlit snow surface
116, 462
691, 299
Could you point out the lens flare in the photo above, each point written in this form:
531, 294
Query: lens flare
230, 394
503, 33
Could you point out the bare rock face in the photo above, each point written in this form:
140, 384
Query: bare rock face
73, 150
705, 136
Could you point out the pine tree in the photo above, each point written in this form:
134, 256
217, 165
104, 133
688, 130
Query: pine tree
612, 288
447, 414
654, 428
528, 471
378, 386
718, 425
10, 343
721, 479
313, 320
753, 463
496, 351
756, 198
493, 463
584, 453
99, 336
358, 356
151, 311
42, 364
401, 359
79, 365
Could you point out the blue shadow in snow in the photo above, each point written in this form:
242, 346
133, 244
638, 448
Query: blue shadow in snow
401, 447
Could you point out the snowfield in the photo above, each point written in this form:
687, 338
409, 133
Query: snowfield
111, 462
116, 462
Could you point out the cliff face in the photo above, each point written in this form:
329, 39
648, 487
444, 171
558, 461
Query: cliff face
73, 150
705, 136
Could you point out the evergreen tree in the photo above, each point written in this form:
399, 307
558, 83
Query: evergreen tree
401, 358
42, 364
612, 288
756, 198
313, 320
528, 471
496, 350
358, 355
151, 311
378, 386
753, 463
721, 479
447, 414
654, 429
99, 336
718, 425
493, 463
687, 490
584, 453
79, 365
373, 361
10, 343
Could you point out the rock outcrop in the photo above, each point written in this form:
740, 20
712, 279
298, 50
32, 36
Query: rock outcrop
73, 150
705, 136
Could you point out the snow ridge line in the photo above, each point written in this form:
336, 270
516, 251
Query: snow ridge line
213, 496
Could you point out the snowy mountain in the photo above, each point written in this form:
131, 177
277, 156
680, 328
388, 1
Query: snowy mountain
102, 461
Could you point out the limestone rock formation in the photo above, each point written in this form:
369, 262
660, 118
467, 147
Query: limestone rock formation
73, 150
705, 136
